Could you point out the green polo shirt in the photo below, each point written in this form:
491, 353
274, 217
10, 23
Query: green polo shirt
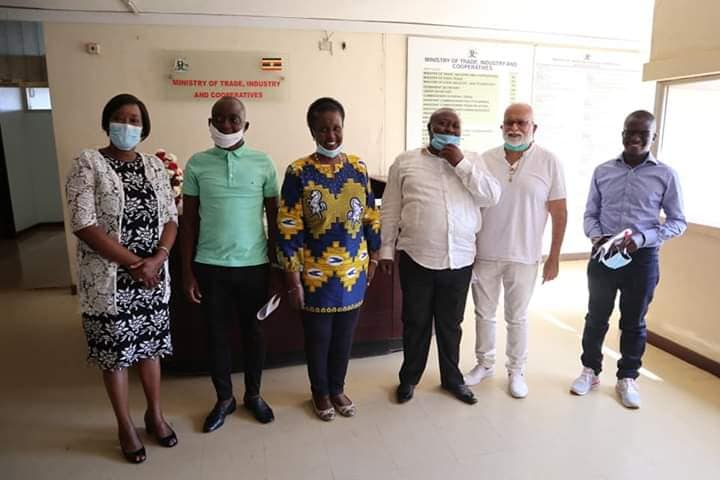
231, 187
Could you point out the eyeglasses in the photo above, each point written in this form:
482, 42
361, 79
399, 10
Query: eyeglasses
641, 133
519, 123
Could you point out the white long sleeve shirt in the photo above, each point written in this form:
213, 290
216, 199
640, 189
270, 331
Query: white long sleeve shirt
432, 210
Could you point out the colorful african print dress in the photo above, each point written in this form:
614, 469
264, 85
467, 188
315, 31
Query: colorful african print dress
328, 224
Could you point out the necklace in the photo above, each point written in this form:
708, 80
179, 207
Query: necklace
512, 168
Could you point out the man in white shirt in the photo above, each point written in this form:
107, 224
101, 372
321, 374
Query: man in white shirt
431, 214
509, 244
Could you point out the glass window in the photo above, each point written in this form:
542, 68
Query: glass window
11, 99
38, 98
687, 145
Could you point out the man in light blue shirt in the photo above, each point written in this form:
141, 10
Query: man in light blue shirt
626, 195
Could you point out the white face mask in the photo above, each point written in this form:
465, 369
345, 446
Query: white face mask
225, 140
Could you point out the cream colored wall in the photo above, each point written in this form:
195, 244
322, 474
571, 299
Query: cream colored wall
368, 77
686, 308
685, 40
82, 83
372, 94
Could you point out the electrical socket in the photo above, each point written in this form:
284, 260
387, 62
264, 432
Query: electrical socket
325, 45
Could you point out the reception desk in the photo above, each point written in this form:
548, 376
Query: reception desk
379, 328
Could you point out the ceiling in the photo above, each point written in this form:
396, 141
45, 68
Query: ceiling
606, 21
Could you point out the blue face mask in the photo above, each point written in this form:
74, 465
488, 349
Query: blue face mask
439, 140
619, 260
328, 153
517, 148
124, 136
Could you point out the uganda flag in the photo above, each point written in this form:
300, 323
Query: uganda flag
272, 64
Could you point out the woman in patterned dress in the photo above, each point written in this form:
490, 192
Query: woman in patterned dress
329, 237
123, 213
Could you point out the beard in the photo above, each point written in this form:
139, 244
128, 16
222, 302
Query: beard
523, 139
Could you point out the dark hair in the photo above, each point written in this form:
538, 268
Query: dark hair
119, 101
324, 104
641, 115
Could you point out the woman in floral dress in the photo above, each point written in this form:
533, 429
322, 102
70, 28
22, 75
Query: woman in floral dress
123, 213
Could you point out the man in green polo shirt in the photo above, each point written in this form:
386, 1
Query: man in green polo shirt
225, 192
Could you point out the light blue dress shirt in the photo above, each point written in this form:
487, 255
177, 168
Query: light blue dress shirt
625, 197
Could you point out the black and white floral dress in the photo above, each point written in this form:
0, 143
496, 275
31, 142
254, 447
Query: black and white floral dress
140, 328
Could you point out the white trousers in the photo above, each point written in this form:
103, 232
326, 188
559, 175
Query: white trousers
518, 282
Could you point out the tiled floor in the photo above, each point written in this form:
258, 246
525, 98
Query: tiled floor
55, 421
36, 259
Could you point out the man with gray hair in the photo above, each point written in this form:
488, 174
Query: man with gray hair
509, 244
431, 213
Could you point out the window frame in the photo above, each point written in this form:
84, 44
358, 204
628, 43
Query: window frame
662, 90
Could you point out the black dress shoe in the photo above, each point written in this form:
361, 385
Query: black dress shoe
462, 392
259, 408
404, 392
216, 417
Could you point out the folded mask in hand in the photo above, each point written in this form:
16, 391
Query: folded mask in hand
616, 260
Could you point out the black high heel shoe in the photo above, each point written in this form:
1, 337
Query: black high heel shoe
169, 441
138, 456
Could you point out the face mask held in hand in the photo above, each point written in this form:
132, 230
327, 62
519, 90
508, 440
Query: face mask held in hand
439, 140
620, 258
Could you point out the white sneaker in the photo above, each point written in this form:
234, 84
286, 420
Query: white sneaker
518, 387
585, 382
628, 391
477, 374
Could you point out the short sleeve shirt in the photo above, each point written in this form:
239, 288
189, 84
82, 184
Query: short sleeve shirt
512, 230
231, 187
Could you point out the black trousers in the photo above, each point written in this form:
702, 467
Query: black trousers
636, 283
234, 294
432, 295
328, 342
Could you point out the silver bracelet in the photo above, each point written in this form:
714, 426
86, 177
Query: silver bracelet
164, 249
372, 260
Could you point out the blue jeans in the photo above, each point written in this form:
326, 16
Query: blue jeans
636, 283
